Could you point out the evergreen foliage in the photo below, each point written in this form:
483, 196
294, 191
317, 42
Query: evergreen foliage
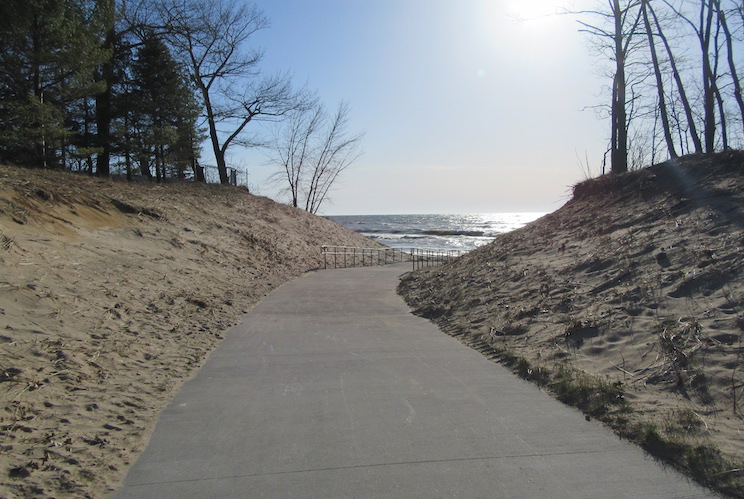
83, 82
48, 56
162, 110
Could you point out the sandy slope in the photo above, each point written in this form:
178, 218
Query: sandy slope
110, 296
637, 281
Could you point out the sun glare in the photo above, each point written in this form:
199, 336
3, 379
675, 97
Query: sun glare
528, 31
531, 10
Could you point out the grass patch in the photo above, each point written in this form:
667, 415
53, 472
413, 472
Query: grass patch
691, 454
594, 396
679, 439
524, 369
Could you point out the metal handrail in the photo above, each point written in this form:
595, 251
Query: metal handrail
422, 258
351, 256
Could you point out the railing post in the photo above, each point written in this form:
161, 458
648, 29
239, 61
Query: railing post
420, 258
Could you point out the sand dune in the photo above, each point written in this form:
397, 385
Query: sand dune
111, 294
636, 283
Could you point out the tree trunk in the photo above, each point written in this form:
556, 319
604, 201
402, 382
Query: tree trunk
732, 65
716, 91
619, 153
40, 146
127, 152
198, 170
103, 125
158, 163
221, 166
659, 84
680, 86
145, 167
709, 79
103, 107
722, 113
219, 155
163, 168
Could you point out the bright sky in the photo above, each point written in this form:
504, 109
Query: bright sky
466, 109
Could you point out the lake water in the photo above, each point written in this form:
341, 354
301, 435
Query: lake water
445, 232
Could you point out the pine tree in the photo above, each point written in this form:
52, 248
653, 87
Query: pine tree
163, 111
45, 67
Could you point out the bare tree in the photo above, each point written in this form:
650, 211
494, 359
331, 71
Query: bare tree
616, 31
730, 56
312, 151
619, 28
293, 147
663, 113
704, 29
723, 125
691, 125
211, 35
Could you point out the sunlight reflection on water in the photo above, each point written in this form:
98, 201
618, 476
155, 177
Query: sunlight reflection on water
463, 232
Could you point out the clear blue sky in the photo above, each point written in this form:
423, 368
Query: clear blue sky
465, 108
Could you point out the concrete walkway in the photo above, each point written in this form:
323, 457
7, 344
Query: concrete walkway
331, 388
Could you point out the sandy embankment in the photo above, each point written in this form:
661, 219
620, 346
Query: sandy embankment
111, 295
636, 281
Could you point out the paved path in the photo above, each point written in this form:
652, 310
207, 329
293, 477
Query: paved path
330, 388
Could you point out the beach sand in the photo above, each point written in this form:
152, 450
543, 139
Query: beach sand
636, 282
111, 295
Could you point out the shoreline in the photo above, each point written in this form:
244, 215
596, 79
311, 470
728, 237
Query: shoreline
437, 232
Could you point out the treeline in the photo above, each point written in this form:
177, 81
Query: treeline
675, 78
132, 86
